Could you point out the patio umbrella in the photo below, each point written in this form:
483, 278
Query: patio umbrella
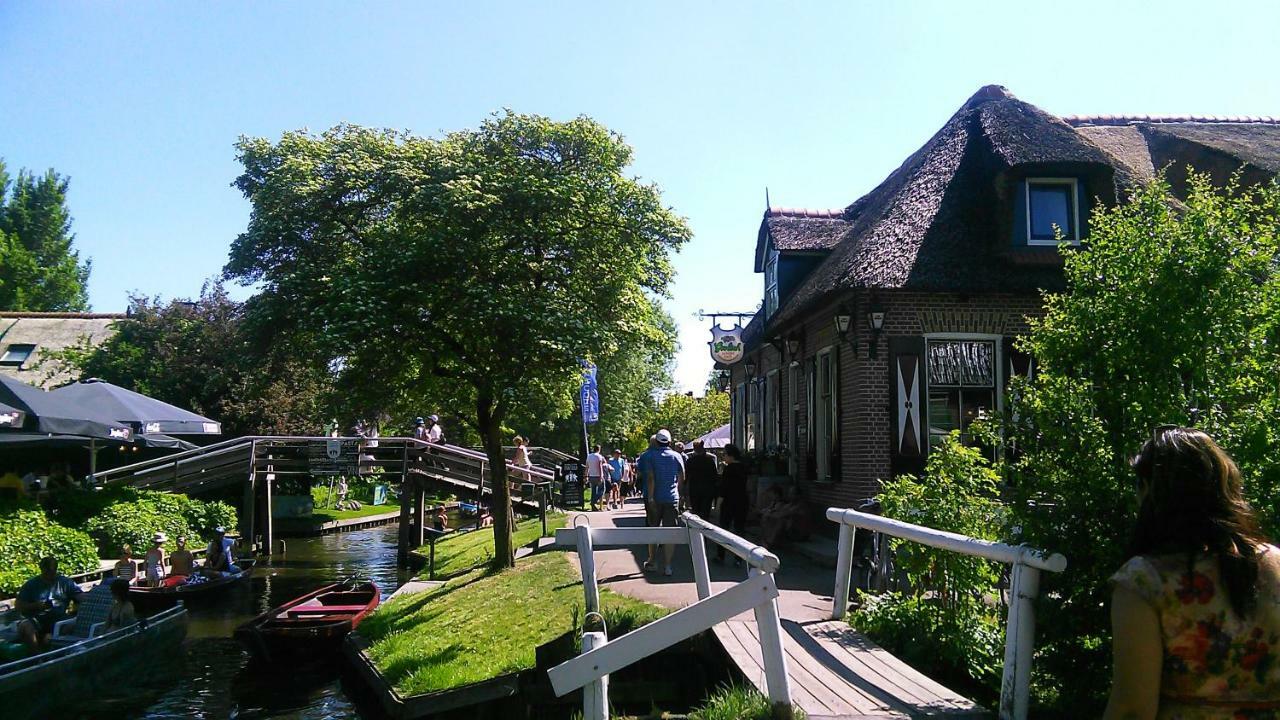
34, 439
146, 415
717, 438
46, 412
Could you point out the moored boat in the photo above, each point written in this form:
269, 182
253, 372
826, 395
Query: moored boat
317, 620
77, 670
154, 598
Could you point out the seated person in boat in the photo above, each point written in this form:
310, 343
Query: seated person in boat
153, 562
43, 601
121, 613
125, 567
219, 559
181, 562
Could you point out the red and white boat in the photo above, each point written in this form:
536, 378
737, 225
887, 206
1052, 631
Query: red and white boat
315, 621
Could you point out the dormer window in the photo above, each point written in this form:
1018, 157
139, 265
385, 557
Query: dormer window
1052, 205
771, 283
17, 354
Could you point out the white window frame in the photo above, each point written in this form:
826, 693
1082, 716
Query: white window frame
773, 411
795, 379
771, 283
997, 360
1074, 239
824, 417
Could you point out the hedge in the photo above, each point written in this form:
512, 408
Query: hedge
137, 521
26, 535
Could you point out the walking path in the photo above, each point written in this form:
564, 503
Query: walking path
835, 671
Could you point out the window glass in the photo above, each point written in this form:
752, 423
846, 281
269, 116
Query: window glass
962, 362
771, 284
17, 354
1050, 204
961, 385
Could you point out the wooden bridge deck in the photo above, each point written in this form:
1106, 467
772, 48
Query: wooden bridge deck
838, 674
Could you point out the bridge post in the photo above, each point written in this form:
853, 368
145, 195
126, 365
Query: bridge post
402, 540
698, 553
419, 513
587, 558
844, 571
1015, 685
769, 625
270, 534
248, 528
595, 696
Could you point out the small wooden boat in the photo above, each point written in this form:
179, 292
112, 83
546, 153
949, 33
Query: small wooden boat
155, 598
317, 620
81, 667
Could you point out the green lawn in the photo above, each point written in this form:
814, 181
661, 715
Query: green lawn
483, 625
465, 551
324, 515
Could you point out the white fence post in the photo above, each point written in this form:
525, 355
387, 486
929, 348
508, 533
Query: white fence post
587, 558
1015, 685
595, 696
844, 571
698, 553
769, 626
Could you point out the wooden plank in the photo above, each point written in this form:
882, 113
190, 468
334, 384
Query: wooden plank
844, 698
863, 658
750, 661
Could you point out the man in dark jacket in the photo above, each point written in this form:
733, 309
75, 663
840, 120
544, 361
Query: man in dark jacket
704, 481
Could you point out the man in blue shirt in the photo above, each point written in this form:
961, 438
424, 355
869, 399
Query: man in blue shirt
43, 601
663, 478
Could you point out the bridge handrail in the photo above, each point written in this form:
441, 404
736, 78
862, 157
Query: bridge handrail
1027, 562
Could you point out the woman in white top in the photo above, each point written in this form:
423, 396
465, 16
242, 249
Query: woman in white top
521, 459
154, 560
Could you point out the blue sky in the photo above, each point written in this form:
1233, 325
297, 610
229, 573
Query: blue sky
140, 103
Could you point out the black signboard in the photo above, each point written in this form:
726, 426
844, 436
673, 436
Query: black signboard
333, 457
570, 485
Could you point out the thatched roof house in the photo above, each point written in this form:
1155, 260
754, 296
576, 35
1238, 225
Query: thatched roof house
24, 336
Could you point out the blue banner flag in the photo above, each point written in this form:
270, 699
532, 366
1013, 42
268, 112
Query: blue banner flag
589, 395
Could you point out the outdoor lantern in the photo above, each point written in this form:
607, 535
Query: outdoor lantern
750, 367
793, 345
875, 318
722, 380
842, 321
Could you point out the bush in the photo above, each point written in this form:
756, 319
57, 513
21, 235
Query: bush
737, 702
137, 521
26, 535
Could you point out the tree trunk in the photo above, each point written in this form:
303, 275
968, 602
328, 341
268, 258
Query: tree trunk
504, 555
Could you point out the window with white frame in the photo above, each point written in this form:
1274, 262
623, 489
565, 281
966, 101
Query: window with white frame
771, 283
793, 394
961, 375
825, 420
773, 397
1053, 205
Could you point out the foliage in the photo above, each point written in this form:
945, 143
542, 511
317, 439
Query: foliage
492, 259
689, 417
737, 702
945, 623
202, 356
135, 522
39, 270
1172, 315
463, 552
26, 535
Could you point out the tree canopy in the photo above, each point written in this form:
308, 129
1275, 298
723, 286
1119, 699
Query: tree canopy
39, 270
475, 270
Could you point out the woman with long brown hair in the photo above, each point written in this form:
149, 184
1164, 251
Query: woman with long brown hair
1195, 611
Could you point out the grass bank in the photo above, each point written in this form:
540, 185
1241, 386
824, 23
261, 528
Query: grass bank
465, 551
484, 625
320, 516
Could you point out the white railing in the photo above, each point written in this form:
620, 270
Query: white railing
601, 656
1027, 562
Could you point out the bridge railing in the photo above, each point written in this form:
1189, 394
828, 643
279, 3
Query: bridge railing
601, 656
1026, 562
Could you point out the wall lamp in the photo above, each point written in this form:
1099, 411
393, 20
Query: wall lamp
875, 319
843, 319
750, 367
793, 345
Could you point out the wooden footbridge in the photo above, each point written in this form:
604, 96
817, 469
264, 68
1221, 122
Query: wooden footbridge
824, 667
263, 463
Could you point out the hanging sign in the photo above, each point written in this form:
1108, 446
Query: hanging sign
726, 345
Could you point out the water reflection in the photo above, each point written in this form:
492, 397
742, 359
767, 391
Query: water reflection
215, 678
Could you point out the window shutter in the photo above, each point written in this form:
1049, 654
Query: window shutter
1016, 364
910, 399
837, 421
811, 434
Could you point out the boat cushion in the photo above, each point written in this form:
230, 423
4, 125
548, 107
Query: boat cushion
326, 609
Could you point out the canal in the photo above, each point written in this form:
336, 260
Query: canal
213, 676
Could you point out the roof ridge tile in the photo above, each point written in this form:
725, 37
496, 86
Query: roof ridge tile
1079, 120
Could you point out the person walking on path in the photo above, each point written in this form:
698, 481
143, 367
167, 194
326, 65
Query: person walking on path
595, 477
733, 493
617, 468
521, 459
435, 433
664, 480
420, 429
1195, 611
704, 481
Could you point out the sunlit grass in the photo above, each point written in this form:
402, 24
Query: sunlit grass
483, 625
465, 551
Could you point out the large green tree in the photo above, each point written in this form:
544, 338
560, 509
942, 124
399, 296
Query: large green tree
39, 269
688, 417
202, 355
474, 270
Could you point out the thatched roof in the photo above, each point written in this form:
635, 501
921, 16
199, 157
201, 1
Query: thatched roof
50, 331
941, 222
799, 230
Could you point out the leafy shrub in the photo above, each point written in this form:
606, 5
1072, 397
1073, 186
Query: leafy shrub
26, 535
737, 702
136, 521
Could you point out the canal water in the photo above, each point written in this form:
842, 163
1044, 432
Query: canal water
213, 676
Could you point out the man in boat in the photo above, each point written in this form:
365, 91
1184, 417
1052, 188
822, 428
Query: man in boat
181, 561
43, 601
219, 559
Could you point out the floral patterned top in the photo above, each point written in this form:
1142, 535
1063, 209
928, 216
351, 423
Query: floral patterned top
1216, 665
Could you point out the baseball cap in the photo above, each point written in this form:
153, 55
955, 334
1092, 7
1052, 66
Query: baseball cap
419, 421
664, 436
